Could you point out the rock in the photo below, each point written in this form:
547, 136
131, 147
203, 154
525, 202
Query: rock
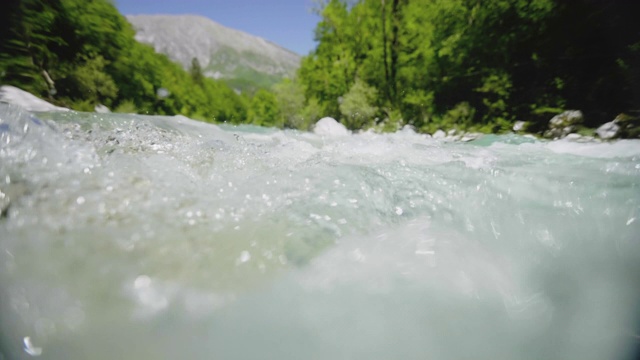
451, 132
608, 130
553, 134
587, 139
519, 125
439, 134
470, 136
13, 95
567, 118
102, 109
564, 124
573, 137
408, 129
328, 126
629, 125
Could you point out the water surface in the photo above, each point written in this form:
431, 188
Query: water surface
138, 237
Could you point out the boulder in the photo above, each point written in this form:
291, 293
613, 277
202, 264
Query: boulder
567, 118
564, 124
553, 134
439, 134
408, 129
470, 136
328, 126
573, 137
629, 125
608, 130
519, 126
102, 109
13, 95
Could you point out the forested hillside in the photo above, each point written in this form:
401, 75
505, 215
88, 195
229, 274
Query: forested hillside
80, 53
472, 64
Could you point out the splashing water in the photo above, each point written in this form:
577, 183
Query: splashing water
137, 237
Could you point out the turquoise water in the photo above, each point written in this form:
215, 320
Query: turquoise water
137, 237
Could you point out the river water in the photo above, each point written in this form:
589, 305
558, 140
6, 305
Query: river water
138, 237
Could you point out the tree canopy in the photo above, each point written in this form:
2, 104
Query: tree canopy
476, 64
80, 53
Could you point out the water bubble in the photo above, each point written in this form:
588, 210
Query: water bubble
399, 210
142, 281
357, 255
80, 200
29, 348
149, 296
244, 257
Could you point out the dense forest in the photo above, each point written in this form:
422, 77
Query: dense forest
466, 64
474, 64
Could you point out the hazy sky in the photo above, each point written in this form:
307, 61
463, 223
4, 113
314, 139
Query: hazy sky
288, 23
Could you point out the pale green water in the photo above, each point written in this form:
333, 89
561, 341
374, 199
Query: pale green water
131, 237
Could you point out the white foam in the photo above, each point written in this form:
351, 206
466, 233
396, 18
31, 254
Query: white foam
620, 148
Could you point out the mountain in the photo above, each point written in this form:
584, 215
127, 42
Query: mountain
243, 60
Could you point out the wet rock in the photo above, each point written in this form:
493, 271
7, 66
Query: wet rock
629, 125
567, 118
13, 95
101, 109
573, 137
439, 134
608, 130
408, 129
328, 126
519, 126
553, 134
470, 137
564, 124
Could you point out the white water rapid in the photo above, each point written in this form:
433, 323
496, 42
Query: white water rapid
139, 237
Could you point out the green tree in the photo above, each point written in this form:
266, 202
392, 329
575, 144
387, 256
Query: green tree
357, 106
196, 71
81, 52
290, 98
264, 110
90, 83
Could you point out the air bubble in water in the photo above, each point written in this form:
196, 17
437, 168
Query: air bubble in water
29, 348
